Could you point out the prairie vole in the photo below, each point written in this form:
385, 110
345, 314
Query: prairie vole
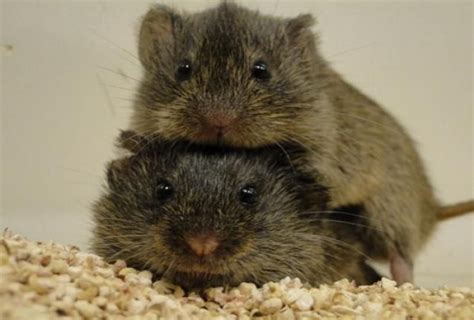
232, 76
207, 216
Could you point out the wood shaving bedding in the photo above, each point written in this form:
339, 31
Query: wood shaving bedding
51, 281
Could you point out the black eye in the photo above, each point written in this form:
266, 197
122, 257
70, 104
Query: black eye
260, 71
184, 70
164, 190
248, 196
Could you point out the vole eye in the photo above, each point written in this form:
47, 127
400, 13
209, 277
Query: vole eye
164, 190
184, 70
248, 195
260, 71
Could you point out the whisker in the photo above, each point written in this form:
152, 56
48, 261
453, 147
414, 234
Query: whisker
79, 171
343, 244
119, 87
351, 224
168, 272
122, 74
79, 183
287, 157
125, 99
393, 129
150, 142
361, 216
130, 138
352, 49
107, 94
128, 237
130, 248
118, 47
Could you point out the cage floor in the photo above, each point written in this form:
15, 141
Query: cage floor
48, 281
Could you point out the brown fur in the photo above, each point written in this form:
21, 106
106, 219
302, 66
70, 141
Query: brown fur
286, 233
364, 155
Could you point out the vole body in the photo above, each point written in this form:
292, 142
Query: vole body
225, 216
231, 76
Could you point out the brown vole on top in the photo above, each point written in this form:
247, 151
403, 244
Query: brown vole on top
232, 76
208, 216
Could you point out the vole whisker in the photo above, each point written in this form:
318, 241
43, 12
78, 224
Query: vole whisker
393, 129
351, 224
119, 47
348, 50
344, 244
287, 156
118, 254
123, 238
125, 99
121, 88
151, 141
107, 94
359, 216
123, 142
169, 270
122, 74
80, 171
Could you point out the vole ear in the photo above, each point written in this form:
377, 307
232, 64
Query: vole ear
116, 170
157, 33
299, 24
131, 141
299, 28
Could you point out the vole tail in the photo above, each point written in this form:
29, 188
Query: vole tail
457, 209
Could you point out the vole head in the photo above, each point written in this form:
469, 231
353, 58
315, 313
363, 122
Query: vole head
203, 216
227, 75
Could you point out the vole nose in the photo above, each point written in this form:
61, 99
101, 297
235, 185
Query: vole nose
203, 244
220, 121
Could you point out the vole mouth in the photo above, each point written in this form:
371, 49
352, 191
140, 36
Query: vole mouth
231, 137
205, 272
198, 275
197, 268
198, 280
212, 137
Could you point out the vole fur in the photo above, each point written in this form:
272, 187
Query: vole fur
364, 156
285, 232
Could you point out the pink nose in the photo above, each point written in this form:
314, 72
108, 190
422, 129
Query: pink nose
220, 121
203, 245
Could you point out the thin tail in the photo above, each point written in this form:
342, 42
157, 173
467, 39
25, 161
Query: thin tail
457, 209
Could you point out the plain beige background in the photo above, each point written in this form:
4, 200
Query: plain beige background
66, 84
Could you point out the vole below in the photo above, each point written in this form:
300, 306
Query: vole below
232, 76
207, 216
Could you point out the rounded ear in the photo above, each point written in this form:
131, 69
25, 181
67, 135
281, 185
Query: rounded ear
131, 141
157, 33
299, 29
299, 24
116, 170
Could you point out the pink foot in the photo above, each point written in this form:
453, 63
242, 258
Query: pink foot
400, 268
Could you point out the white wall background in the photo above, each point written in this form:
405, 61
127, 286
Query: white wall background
60, 111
